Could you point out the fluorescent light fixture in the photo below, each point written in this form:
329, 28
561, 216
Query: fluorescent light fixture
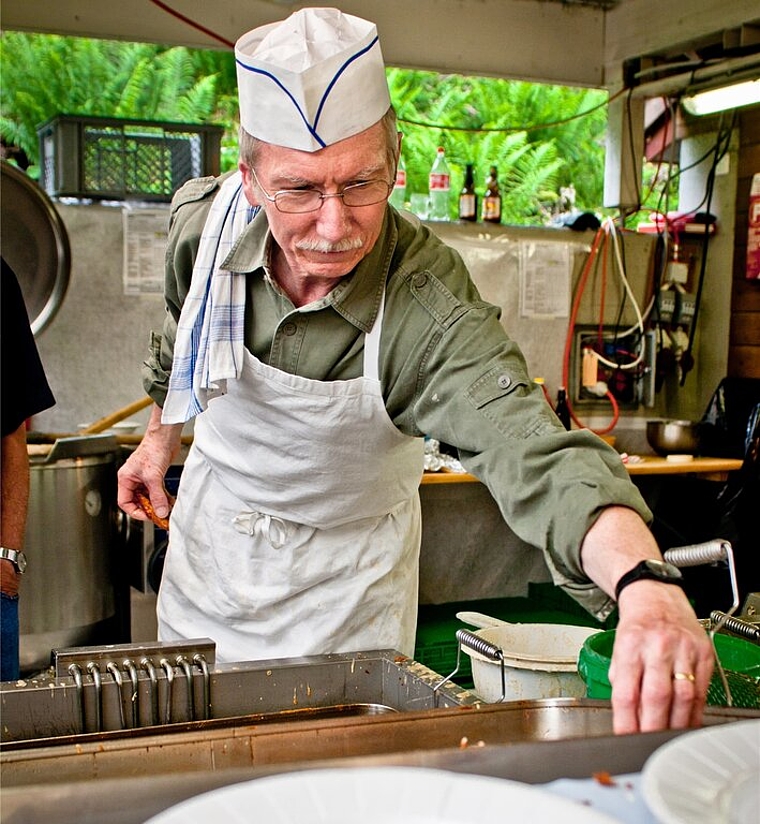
726, 97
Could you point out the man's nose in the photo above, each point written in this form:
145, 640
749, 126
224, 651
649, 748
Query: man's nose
333, 217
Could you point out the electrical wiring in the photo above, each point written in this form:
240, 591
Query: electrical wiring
584, 276
610, 229
190, 22
606, 238
511, 129
720, 149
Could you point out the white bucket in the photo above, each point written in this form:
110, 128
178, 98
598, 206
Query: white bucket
540, 661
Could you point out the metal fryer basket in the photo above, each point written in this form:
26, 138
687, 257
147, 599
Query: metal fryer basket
728, 688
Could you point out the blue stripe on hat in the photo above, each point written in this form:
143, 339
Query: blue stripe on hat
323, 101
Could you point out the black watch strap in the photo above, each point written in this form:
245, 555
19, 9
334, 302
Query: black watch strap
650, 570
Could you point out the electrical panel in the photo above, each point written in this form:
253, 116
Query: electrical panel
626, 367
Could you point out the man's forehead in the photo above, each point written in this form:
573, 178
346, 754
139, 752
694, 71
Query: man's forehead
366, 152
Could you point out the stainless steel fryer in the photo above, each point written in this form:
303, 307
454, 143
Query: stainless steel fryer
133, 688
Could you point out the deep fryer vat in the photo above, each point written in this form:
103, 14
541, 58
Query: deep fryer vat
52, 707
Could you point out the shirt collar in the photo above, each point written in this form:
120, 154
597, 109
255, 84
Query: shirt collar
356, 297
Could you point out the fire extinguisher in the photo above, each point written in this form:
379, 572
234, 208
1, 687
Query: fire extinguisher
753, 230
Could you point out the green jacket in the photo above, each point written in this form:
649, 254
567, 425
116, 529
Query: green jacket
448, 370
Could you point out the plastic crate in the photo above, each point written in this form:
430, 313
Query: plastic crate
112, 159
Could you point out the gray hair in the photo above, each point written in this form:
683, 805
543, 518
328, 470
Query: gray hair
249, 146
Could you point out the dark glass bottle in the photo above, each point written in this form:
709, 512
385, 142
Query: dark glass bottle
468, 200
561, 409
491, 212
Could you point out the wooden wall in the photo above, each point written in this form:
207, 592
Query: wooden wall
744, 340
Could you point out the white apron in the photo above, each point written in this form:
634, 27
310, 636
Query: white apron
297, 527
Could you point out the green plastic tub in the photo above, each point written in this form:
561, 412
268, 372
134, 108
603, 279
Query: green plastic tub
740, 660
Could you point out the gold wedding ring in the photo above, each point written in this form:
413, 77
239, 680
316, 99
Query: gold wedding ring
684, 676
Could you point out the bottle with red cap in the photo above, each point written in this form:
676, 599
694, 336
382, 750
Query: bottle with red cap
439, 187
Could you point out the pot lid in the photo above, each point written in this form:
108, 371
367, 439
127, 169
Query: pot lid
35, 244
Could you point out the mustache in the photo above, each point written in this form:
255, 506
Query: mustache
325, 246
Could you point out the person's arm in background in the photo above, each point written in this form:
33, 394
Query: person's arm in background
24, 392
14, 499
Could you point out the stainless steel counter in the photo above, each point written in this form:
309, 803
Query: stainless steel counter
126, 781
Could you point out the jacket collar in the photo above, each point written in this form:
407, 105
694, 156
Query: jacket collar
356, 297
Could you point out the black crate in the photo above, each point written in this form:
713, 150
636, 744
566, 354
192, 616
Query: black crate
111, 159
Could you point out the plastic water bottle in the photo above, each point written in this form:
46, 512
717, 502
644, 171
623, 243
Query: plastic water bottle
439, 186
398, 195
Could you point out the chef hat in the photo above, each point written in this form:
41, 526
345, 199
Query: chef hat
311, 80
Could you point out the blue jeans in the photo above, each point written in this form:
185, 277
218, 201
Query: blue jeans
9, 666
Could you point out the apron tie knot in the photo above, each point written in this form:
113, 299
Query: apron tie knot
266, 526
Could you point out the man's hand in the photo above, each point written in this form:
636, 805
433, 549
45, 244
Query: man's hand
662, 661
146, 467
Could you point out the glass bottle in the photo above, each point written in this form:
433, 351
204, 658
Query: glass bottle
439, 186
491, 212
468, 200
561, 409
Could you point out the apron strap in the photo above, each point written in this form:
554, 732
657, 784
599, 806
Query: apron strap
372, 344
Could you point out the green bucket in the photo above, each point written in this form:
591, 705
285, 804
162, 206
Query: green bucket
740, 660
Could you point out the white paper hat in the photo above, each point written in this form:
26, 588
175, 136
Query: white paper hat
311, 80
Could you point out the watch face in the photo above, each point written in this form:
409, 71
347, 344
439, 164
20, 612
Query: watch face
16, 557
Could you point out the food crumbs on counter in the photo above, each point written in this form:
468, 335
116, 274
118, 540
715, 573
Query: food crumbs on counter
605, 779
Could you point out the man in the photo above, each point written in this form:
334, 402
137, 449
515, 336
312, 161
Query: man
319, 339
25, 392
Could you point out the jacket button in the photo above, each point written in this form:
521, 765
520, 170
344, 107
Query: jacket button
504, 381
419, 280
289, 329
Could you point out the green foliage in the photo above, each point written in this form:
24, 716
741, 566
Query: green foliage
47, 75
532, 133
489, 122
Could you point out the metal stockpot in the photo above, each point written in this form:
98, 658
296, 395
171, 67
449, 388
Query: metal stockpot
75, 591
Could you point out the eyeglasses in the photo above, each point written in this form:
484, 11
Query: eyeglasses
298, 201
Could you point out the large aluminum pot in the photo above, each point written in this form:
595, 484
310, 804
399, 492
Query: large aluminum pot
75, 591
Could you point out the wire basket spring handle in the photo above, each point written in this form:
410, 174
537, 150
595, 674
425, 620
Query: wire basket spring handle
707, 553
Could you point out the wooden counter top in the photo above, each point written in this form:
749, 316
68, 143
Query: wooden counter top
709, 468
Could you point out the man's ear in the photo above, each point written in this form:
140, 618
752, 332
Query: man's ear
249, 189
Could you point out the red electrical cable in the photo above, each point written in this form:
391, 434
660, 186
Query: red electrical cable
585, 272
192, 23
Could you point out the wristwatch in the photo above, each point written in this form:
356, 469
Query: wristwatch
650, 570
15, 556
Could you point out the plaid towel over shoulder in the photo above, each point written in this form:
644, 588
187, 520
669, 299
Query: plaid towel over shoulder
208, 350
